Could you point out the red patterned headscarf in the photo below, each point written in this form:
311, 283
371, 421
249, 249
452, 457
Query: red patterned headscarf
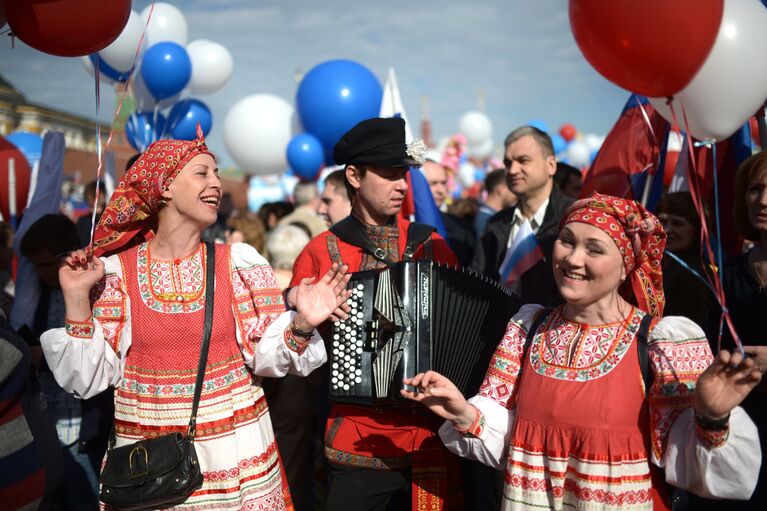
640, 239
131, 215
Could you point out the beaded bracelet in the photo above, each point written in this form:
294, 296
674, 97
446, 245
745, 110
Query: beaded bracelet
300, 333
712, 424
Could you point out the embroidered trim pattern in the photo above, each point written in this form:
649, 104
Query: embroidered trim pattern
476, 428
347, 458
293, 343
80, 329
333, 251
712, 439
604, 353
160, 283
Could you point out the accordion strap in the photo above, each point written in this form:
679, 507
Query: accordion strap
351, 231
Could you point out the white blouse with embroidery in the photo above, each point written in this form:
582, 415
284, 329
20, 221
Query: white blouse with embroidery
724, 465
87, 364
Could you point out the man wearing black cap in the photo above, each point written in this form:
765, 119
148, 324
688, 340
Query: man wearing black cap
381, 459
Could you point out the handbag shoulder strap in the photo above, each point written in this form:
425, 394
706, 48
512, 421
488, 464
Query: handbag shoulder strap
533, 329
642, 337
210, 273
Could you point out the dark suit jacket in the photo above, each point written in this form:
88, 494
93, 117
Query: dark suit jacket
537, 284
460, 238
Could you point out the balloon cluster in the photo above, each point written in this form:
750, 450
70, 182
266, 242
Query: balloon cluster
701, 57
263, 133
165, 65
576, 148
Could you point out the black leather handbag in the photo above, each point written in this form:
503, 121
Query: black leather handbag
163, 471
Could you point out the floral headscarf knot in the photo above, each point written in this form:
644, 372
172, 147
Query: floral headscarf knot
640, 239
130, 217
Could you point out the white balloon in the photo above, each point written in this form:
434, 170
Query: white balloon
732, 83
675, 142
578, 154
467, 175
593, 141
476, 127
257, 130
144, 99
167, 24
195, 43
122, 52
212, 66
480, 151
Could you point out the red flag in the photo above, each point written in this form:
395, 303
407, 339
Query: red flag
632, 149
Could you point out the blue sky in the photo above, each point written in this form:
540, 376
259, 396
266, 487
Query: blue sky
519, 53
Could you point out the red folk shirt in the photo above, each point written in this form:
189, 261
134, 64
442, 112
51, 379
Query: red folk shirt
322, 251
389, 439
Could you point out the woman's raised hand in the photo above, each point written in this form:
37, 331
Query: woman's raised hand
439, 395
80, 271
726, 382
315, 303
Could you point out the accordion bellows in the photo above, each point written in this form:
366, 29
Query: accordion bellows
413, 317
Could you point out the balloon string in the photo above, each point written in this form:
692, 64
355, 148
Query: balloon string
695, 190
114, 121
647, 120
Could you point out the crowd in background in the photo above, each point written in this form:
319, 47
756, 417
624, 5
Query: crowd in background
280, 231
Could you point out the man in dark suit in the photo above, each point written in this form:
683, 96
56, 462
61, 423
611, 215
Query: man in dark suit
530, 167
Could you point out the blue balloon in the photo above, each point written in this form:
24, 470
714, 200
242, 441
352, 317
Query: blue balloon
593, 155
537, 123
559, 143
305, 156
166, 69
30, 145
107, 70
333, 97
143, 128
184, 116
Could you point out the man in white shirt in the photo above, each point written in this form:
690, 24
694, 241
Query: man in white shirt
530, 167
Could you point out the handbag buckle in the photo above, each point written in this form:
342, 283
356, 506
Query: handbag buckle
138, 471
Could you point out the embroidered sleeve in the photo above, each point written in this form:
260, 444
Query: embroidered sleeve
475, 428
257, 299
506, 363
679, 353
108, 303
80, 329
295, 343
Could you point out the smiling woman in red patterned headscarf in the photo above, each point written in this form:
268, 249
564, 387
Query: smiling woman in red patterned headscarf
566, 415
134, 320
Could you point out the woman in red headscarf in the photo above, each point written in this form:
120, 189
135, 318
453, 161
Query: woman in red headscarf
134, 321
563, 407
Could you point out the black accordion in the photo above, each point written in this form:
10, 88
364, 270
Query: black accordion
412, 317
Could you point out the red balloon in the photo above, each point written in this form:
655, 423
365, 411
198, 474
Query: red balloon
567, 131
68, 28
21, 174
753, 124
652, 47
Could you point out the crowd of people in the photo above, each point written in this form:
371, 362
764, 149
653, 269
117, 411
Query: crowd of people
610, 389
